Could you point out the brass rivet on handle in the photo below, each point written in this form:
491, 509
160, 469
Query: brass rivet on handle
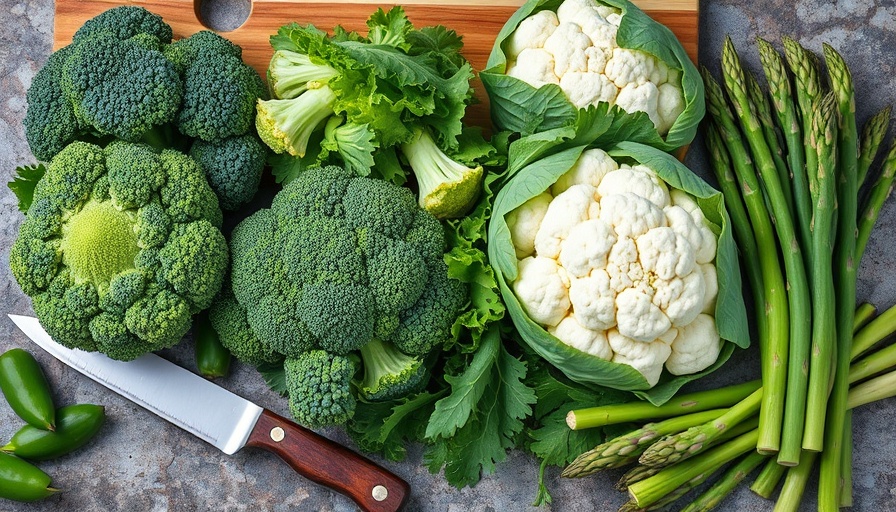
277, 434
380, 493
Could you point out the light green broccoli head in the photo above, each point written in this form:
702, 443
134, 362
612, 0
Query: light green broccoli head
339, 261
120, 247
319, 387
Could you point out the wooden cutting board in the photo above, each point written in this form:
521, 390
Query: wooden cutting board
479, 21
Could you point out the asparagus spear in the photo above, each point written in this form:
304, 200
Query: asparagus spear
872, 135
823, 140
636, 474
795, 483
798, 286
639, 411
684, 445
768, 479
713, 496
626, 448
845, 275
773, 341
882, 326
789, 120
881, 190
864, 313
763, 112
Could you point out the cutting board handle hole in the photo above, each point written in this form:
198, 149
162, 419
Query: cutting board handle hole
223, 15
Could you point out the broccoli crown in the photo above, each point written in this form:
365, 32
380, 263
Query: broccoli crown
120, 247
389, 373
448, 189
233, 167
319, 387
122, 77
339, 262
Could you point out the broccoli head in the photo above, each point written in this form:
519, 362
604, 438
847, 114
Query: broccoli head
233, 167
319, 387
120, 247
340, 262
125, 22
228, 319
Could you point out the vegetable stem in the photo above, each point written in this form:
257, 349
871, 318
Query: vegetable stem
864, 314
795, 483
768, 479
873, 134
713, 496
881, 327
881, 190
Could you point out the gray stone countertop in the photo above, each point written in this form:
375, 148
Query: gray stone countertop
141, 463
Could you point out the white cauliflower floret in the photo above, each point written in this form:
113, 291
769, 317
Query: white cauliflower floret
630, 215
577, 204
682, 299
696, 347
597, 61
670, 105
593, 301
665, 253
643, 97
683, 224
707, 250
601, 32
647, 358
586, 247
535, 66
573, 11
711, 287
543, 289
590, 169
572, 333
568, 44
639, 180
583, 89
623, 266
524, 221
632, 67
637, 317
615, 18
532, 32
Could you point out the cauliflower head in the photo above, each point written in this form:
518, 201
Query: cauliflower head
615, 264
576, 49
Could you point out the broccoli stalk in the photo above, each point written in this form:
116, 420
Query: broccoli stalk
388, 372
292, 73
448, 189
286, 125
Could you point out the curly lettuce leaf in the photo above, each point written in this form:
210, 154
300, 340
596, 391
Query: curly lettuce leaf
520, 107
730, 312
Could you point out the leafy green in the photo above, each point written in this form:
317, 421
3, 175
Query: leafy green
520, 107
274, 376
23, 183
387, 427
537, 177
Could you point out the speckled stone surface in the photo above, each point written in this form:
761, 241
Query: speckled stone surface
142, 463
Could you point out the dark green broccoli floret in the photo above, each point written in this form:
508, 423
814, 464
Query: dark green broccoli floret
228, 319
124, 236
184, 52
50, 122
388, 373
339, 261
233, 167
319, 387
125, 22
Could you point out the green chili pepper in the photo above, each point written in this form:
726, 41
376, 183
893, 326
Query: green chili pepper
26, 389
212, 358
75, 425
21, 481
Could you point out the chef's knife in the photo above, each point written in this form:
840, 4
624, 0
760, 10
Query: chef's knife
230, 422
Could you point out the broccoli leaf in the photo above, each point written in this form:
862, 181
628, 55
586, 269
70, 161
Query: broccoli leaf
472, 429
23, 183
274, 376
386, 427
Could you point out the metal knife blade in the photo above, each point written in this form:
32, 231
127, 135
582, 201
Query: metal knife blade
230, 422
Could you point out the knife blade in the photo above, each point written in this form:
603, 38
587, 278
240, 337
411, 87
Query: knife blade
230, 422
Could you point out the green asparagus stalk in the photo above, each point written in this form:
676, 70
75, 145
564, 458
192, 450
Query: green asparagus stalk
846, 463
797, 283
774, 347
872, 390
795, 483
626, 448
829, 479
883, 359
876, 330
872, 136
592, 417
763, 112
652, 489
864, 313
789, 120
677, 493
713, 496
768, 479
684, 445
881, 190
636, 474
822, 183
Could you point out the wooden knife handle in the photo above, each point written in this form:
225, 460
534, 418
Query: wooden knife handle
328, 463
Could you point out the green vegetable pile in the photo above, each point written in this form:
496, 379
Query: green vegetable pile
49, 433
123, 77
